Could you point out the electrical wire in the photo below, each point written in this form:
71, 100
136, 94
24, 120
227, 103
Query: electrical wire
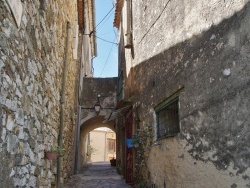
107, 57
154, 22
112, 2
106, 40
89, 34
104, 18
104, 21
105, 33
115, 35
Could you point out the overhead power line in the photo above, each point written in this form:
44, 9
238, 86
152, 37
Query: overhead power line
104, 17
155, 21
107, 58
110, 15
105, 40
89, 34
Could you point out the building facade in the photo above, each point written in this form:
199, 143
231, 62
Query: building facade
101, 92
38, 48
102, 145
183, 66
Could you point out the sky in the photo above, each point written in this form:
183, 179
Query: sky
106, 62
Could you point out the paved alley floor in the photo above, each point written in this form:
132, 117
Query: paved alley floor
97, 175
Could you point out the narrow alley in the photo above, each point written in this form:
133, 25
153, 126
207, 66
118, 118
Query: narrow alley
159, 87
97, 175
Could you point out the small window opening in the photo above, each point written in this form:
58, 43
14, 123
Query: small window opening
168, 119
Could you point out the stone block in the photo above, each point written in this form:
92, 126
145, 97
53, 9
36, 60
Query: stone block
12, 141
19, 182
3, 136
32, 181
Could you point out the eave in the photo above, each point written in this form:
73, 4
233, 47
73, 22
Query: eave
118, 13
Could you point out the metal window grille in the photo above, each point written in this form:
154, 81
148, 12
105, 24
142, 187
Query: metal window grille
168, 120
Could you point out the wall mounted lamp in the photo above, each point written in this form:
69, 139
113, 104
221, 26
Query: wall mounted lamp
97, 107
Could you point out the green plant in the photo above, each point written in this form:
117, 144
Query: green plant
90, 150
57, 149
141, 184
53, 153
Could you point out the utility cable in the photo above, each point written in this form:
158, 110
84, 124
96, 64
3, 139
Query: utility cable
106, 40
154, 22
103, 18
107, 57
89, 34
104, 21
115, 35
112, 2
105, 33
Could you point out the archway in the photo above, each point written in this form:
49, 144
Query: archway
101, 145
87, 125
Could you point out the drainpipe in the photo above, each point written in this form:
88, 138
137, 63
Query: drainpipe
79, 109
128, 33
77, 138
60, 139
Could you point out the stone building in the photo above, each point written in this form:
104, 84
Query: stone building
184, 71
96, 91
35, 44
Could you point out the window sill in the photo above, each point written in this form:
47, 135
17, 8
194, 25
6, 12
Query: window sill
167, 136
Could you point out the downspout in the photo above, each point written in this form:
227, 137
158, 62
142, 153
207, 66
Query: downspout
77, 138
79, 111
128, 41
60, 138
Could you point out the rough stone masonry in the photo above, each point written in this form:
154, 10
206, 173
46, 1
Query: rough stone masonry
31, 60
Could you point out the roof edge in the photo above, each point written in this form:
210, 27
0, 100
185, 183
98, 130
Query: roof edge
118, 11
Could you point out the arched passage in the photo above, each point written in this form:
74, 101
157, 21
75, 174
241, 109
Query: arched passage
87, 125
94, 90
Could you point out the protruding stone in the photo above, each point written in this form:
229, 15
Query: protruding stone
12, 141
1, 64
20, 116
3, 136
12, 173
38, 126
32, 181
19, 182
227, 72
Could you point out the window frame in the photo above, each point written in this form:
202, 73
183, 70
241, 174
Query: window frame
164, 105
111, 141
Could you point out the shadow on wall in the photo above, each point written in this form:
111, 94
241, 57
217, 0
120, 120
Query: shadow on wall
213, 68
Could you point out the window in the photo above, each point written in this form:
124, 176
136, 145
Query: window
167, 116
111, 145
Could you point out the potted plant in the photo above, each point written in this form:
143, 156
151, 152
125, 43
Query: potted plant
53, 153
113, 162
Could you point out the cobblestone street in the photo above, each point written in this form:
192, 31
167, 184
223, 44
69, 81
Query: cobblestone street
97, 175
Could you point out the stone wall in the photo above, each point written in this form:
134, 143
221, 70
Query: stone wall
31, 64
92, 87
202, 47
162, 24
